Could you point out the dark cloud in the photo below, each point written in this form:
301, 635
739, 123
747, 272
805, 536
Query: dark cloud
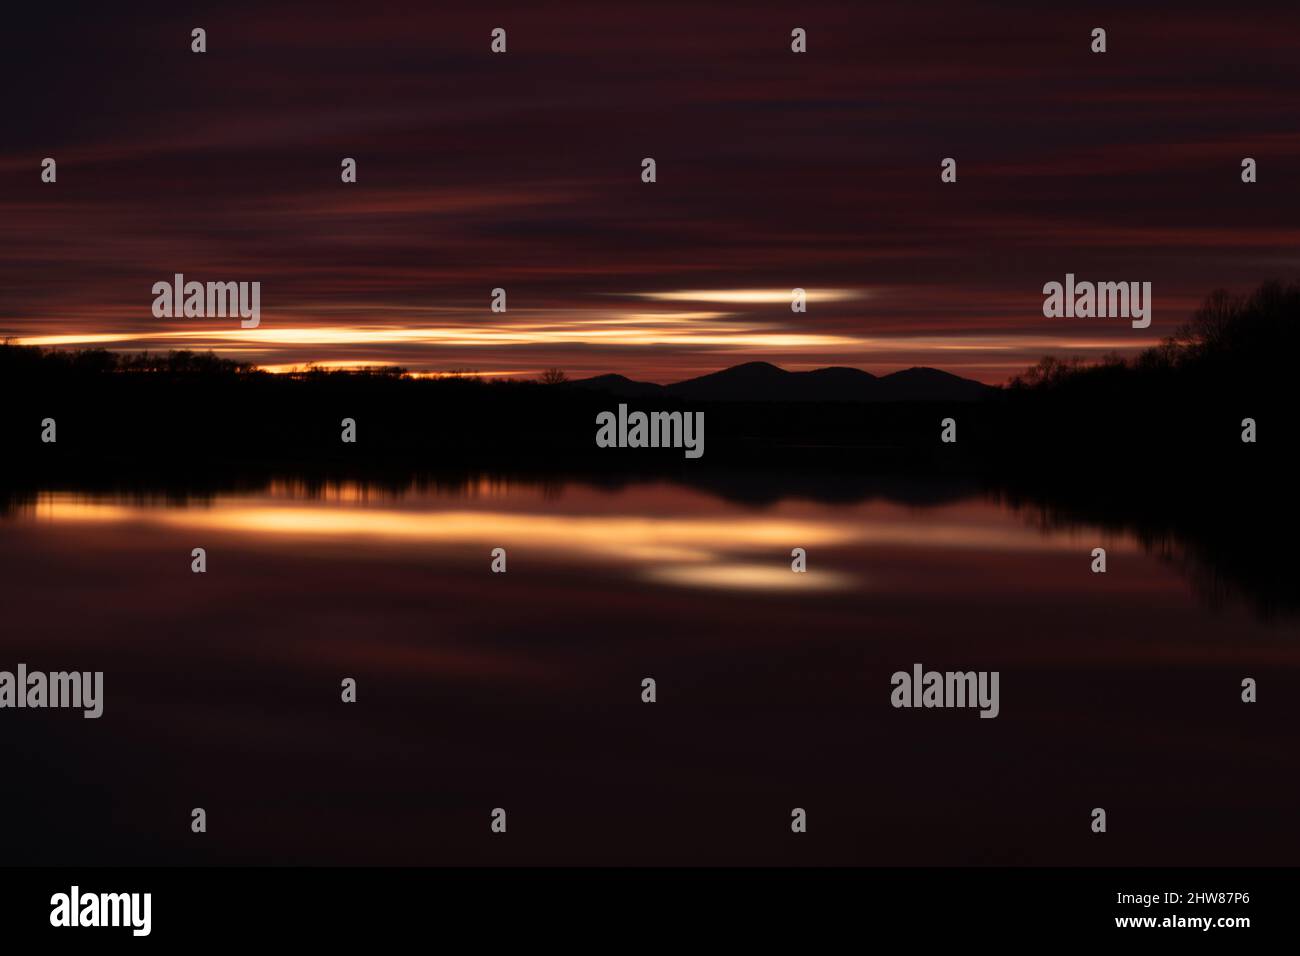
522, 171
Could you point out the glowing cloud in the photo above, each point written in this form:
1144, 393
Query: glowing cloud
750, 296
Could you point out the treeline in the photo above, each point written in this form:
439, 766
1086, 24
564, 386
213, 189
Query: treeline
1181, 407
34, 363
1242, 344
163, 410
191, 410
1175, 411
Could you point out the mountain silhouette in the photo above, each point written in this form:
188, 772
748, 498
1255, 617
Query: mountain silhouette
765, 382
620, 385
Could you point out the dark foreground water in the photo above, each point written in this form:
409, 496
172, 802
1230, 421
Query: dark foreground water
523, 690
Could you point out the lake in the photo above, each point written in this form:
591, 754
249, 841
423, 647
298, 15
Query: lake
523, 690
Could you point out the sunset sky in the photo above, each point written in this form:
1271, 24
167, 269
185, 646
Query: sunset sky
522, 170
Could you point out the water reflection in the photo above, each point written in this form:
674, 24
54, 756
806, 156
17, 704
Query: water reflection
522, 690
662, 533
722, 530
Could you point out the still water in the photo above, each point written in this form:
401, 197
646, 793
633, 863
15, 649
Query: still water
523, 690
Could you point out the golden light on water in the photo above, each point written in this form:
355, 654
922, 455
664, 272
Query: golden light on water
738, 551
733, 576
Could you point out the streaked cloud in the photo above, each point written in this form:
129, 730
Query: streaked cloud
751, 296
775, 171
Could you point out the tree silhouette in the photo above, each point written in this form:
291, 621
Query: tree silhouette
1240, 342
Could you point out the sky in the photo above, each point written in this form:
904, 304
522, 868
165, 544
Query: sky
522, 171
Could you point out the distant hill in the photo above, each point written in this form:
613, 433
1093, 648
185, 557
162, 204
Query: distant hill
619, 385
921, 384
764, 382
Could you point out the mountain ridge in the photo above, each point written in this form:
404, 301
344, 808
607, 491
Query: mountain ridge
765, 382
